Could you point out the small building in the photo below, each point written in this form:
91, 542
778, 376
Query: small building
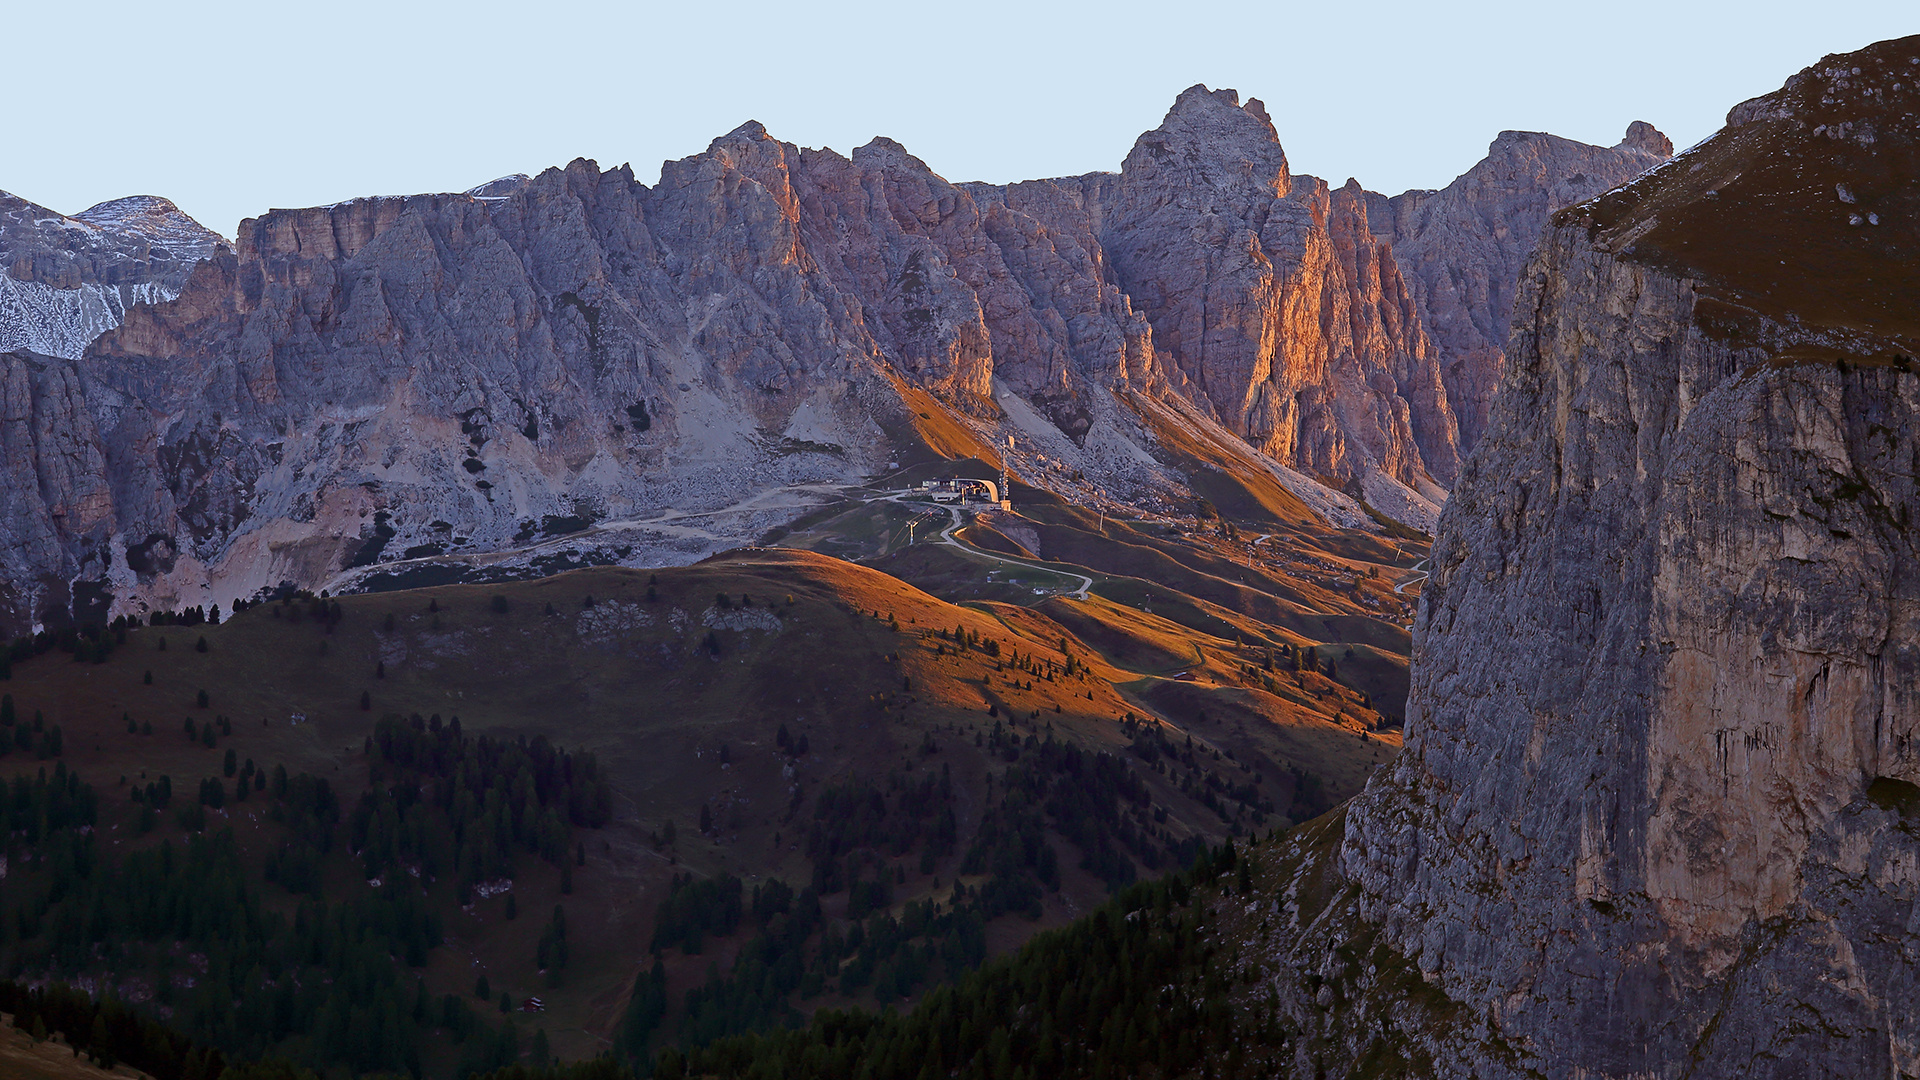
961, 489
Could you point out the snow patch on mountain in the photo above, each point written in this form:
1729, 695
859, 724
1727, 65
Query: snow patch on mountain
63, 322
155, 220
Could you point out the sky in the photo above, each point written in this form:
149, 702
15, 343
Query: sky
231, 109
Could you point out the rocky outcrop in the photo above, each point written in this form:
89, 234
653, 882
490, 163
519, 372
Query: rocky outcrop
66, 280
1462, 247
1657, 814
55, 499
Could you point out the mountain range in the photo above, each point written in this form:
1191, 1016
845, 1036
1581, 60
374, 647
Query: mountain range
457, 376
1641, 429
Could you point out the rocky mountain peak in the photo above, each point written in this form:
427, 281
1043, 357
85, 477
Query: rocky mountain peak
156, 219
66, 280
1462, 247
882, 152
499, 188
762, 297
1644, 136
1210, 141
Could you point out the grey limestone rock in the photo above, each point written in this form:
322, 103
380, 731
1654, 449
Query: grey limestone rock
1461, 248
1657, 813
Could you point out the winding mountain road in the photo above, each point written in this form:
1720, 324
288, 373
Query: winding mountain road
1419, 576
958, 519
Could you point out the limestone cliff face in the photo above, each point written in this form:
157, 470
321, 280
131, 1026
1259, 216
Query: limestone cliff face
55, 501
1462, 247
445, 372
441, 374
1657, 817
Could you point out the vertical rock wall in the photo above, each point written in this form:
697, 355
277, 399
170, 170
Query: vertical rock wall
1655, 817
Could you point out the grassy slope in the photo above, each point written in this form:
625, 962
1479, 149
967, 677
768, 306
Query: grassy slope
22, 1058
632, 680
831, 649
1756, 213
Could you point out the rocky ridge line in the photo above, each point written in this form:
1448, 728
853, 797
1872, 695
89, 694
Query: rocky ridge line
440, 374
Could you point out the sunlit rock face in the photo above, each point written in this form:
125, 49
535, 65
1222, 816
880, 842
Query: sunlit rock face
1271, 296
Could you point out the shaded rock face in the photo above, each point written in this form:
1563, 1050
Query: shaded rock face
1660, 810
56, 504
1462, 247
66, 280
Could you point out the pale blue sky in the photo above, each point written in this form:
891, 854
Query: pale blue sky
230, 109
